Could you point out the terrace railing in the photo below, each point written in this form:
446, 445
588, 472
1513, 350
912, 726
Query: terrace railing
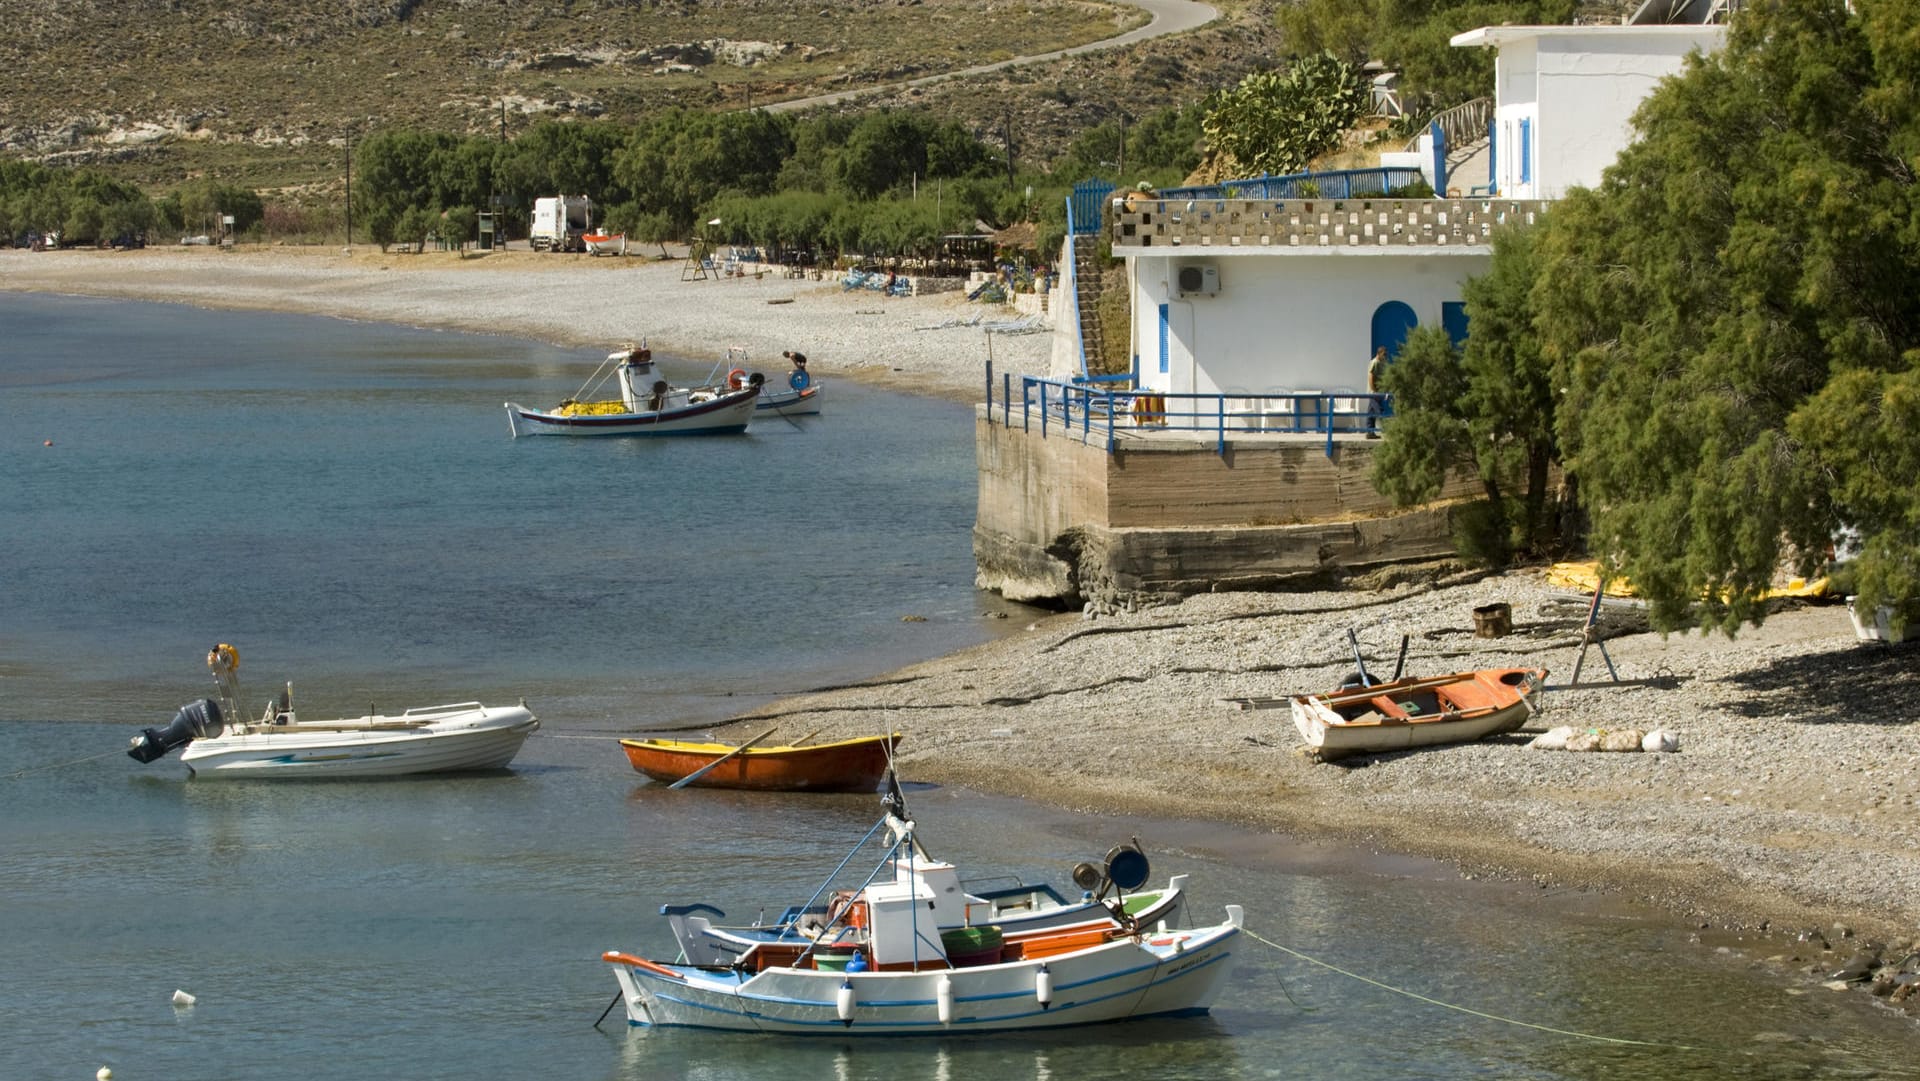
1336, 184
1100, 408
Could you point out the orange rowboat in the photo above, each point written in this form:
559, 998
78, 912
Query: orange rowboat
853, 765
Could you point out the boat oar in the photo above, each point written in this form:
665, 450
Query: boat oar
702, 771
1359, 661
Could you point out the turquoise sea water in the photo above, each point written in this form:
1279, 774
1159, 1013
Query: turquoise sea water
343, 502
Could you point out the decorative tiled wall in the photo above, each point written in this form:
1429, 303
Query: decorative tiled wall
1140, 223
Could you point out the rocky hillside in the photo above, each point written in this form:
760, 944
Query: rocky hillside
265, 92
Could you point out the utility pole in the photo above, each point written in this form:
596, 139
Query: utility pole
1006, 129
1121, 159
349, 189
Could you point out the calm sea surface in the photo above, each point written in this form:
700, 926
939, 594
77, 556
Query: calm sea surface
343, 503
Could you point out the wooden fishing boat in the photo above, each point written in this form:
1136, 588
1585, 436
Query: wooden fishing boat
852, 765
647, 405
1393, 716
902, 955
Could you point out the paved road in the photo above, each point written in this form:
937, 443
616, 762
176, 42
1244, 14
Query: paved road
1169, 17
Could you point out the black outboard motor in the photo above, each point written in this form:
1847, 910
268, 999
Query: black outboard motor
196, 720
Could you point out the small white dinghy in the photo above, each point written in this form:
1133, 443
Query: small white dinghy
802, 394
218, 741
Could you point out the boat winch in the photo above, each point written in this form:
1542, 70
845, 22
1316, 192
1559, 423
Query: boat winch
195, 720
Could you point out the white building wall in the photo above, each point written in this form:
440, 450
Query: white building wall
1283, 323
1577, 89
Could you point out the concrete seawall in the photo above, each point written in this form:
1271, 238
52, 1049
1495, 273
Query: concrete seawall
1061, 520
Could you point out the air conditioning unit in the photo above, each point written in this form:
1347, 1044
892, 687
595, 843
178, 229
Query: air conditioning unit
1197, 279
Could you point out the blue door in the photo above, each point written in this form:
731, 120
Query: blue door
1453, 317
1392, 322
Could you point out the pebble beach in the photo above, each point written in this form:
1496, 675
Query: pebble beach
1784, 826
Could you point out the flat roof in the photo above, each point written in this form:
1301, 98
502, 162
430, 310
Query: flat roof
1502, 35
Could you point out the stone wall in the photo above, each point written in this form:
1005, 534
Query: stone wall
1062, 521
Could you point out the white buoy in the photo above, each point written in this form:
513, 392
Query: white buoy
104, 1073
843, 1003
1043, 986
943, 999
181, 998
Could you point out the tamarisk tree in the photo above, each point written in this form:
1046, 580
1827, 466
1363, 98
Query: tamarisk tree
1733, 317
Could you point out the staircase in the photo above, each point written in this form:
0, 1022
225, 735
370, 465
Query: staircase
1464, 127
1089, 277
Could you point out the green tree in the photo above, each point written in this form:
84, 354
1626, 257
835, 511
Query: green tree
1278, 122
1413, 38
679, 161
1735, 313
459, 226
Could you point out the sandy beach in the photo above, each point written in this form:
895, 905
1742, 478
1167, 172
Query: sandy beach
1785, 825
936, 344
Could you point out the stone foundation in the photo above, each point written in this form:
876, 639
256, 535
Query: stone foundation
1062, 521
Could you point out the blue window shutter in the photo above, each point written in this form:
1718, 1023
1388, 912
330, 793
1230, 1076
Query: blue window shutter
1526, 150
1163, 337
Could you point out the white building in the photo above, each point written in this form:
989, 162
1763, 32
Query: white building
1251, 297
1565, 95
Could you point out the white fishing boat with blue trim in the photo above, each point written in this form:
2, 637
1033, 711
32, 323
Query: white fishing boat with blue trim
217, 740
899, 957
647, 405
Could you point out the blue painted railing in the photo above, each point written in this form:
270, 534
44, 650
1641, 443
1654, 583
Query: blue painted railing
1337, 184
1084, 205
1101, 405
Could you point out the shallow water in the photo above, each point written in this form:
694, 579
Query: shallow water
343, 503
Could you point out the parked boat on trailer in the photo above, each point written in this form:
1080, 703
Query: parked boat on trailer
647, 405
216, 740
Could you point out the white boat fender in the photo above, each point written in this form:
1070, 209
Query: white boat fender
843, 1003
1043, 987
181, 998
943, 999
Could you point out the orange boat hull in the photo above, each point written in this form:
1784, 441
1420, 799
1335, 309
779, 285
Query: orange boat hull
854, 765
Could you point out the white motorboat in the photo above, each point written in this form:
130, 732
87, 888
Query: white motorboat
899, 957
648, 405
217, 741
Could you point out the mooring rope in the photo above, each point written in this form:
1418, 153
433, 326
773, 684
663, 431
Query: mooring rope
59, 765
1289, 951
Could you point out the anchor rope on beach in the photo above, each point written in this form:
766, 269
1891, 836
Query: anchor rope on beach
61, 765
1289, 951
